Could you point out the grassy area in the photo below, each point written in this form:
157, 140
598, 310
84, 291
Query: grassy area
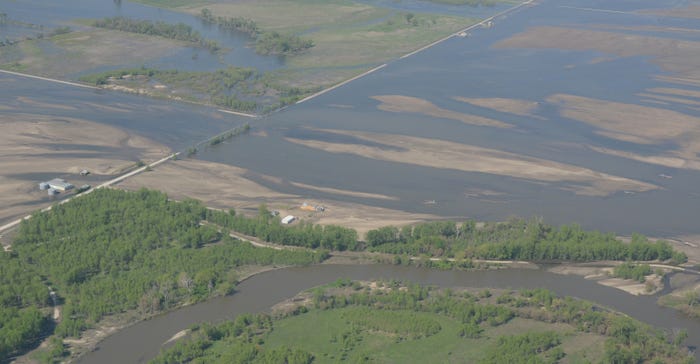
687, 302
73, 53
345, 33
390, 322
318, 332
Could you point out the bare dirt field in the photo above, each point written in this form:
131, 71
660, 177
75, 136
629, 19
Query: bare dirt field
399, 103
637, 124
34, 147
229, 187
512, 106
450, 155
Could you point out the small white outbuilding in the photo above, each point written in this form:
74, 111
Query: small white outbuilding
288, 219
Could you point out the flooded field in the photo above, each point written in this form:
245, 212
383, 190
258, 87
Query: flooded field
627, 117
30, 15
579, 111
576, 111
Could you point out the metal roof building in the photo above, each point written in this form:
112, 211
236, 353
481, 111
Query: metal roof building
60, 184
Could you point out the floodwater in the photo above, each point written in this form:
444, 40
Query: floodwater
51, 14
142, 341
472, 67
173, 124
467, 67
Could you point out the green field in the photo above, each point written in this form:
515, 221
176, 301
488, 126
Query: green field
345, 33
389, 322
321, 332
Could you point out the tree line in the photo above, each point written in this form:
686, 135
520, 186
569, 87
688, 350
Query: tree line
266, 42
179, 31
223, 87
113, 251
517, 239
267, 227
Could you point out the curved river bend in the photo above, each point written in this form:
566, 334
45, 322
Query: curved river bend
142, 341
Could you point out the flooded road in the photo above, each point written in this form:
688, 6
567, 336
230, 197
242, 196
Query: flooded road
341, 139
477, 67
302, 143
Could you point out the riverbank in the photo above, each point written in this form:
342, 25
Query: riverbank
261, 292
90, 339
181, 179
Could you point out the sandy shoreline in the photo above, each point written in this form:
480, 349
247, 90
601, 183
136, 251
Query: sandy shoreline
463, 157
232, 187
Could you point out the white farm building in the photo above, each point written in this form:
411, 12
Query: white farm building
288, 219
60, 184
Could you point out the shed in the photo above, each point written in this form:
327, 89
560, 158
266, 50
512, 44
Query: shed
43, 186
60, 184
52, 192
84, 172
288, 219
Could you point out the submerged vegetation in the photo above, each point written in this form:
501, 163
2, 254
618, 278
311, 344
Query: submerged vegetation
179, 31
392, 322
237, 88
266, 42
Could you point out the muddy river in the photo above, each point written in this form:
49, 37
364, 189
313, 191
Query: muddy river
141, 342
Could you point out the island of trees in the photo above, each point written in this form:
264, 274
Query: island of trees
266, 42
179, 31
382, 322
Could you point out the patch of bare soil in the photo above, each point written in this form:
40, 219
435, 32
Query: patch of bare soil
688, 244
512, 106
342, 192
666, 161
449, 155
667, 99
32, 144
602, 275
224, 186
637, 124
675, 55
676, 91
399, 103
